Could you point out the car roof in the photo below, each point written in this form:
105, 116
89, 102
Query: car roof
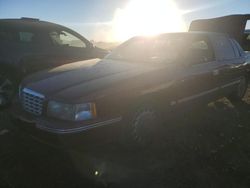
28, 23
35, 24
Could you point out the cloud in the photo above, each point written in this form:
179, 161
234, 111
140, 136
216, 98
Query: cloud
205, 6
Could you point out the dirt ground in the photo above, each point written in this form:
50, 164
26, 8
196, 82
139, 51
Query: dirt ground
209, 147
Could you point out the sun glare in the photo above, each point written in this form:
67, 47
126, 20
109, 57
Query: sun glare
147, 17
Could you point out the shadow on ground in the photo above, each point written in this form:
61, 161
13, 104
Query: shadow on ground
208, 147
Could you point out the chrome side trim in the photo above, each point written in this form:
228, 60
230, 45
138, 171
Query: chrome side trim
79, 129
157, 88
206, 92
230, 84
197, 95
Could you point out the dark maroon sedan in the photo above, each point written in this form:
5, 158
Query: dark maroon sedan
135, 86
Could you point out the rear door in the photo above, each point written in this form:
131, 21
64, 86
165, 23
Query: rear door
29, 47
231, 62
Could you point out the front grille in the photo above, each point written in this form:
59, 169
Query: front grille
32, 101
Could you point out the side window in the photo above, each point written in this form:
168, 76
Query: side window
199, 45
224, 48
163, 49
64, 38
200, 50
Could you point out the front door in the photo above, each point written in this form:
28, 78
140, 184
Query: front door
198, 76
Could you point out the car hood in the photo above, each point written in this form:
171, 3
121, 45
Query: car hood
70, 82
233, 25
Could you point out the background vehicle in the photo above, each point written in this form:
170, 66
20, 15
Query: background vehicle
140, 79
233, 25
28, 45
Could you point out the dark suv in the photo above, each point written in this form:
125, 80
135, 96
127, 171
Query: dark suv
28, 45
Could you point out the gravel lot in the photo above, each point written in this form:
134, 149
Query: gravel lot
208, 147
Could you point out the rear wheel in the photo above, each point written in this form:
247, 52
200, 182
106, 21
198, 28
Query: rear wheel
240, 91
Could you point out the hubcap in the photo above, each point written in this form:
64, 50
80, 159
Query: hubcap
6, 90
143, 126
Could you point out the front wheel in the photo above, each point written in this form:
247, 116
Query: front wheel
143, 128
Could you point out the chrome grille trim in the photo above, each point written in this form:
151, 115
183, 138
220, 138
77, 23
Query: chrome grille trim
32, 101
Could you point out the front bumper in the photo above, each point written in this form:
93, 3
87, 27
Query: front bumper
60, 126
46, 126
50, 129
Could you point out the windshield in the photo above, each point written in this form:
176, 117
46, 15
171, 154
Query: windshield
150, 49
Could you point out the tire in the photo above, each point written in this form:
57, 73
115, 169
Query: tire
240, 91
143, 129
8, 88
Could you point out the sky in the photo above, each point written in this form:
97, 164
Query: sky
117, 20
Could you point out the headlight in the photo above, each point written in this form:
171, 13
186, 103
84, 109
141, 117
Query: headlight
72, 112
